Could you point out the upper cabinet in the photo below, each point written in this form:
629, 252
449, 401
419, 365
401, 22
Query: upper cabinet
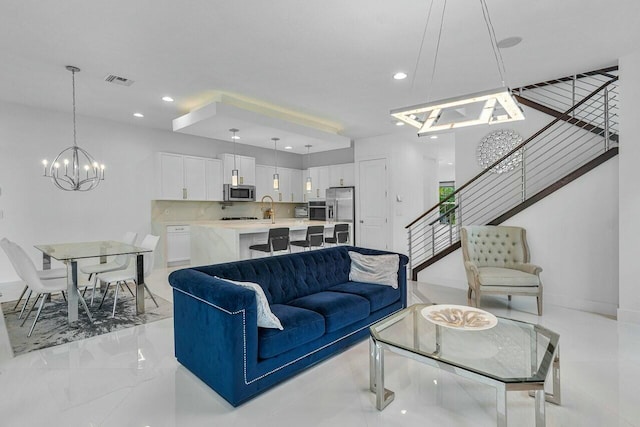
246, 169
264, 182
183, 177
342, 175
319, 181
290, 184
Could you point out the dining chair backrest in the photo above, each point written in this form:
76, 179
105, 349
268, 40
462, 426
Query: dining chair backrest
341, 232
26, 269
315, 235
129, 238
6, 247
149, 242
279, 238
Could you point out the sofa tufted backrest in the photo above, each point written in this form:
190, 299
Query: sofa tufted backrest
494, 245
291, 276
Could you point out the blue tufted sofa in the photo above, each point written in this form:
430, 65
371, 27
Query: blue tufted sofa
322, 312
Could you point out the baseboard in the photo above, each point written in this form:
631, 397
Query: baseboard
570, 301
628, 316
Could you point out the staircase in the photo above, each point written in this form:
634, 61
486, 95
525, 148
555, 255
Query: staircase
582, 135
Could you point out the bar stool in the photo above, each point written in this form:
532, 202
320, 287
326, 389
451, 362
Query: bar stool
278, 240
340, 235
315, 238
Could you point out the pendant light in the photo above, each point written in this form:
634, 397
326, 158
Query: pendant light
276, 177
234, 172
308, 183
73, 179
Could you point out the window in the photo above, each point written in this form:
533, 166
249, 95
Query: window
448, 200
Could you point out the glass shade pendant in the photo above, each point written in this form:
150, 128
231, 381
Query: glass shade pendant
276, 176
81, 171
234, 172
308, 184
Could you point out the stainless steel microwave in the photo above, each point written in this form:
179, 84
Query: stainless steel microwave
241, 193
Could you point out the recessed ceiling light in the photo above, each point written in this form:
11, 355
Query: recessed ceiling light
399, 123
167, 99
288, 147
400, 75
139, 115
433, 137
509, 42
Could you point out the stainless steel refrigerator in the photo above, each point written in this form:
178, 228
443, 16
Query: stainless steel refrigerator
341, 207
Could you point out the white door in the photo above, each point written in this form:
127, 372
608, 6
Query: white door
373, 204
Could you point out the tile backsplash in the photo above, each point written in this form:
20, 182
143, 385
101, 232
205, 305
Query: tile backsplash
179, 210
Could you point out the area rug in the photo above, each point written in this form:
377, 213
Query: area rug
53, 329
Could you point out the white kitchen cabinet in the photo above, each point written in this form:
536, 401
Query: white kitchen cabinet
264, 182
178, 245
297, 186
342, 175
320, 181
213, 177
181, 177
284, 192
246, 169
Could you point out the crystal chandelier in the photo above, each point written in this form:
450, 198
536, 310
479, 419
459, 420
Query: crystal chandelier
81, 171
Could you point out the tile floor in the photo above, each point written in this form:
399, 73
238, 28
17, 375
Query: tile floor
130, 378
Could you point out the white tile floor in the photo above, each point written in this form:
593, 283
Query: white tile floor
130, 378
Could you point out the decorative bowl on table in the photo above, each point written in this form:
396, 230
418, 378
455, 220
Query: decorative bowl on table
459, 317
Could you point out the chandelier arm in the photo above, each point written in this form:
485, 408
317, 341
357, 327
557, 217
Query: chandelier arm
494, 42
435, 58
424, 36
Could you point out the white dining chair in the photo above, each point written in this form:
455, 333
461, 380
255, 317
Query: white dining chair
43, 288
55, 273
120, 262
120, 278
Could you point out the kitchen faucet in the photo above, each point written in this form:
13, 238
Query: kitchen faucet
273, 211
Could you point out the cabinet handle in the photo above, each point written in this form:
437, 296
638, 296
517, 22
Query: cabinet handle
242, 180
304, 197
317, 192
279, 197
292, 197
341, 182
184, 193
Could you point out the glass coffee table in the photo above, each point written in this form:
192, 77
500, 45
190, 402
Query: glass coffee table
507, 354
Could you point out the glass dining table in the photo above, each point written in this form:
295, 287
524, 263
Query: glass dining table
70, 253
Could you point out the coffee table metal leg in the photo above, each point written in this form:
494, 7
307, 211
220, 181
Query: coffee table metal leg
555, 395
383, 396
501, 406
139, 284
540, 403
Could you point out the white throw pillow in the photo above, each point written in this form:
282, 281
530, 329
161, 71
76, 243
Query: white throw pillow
378, 269
266, 319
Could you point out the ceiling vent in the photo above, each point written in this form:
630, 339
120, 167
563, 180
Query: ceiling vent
122, 81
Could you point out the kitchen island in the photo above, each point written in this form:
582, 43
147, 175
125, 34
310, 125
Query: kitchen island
224, 241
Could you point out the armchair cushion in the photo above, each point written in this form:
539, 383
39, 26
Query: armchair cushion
496, 276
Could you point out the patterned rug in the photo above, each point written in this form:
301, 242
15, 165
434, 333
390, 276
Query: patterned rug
53, 329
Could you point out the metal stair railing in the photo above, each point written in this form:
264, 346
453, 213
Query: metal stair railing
550, 154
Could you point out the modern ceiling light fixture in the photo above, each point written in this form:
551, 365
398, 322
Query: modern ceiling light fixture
486, 107
276, 177
308, 183
234, 172
74, 179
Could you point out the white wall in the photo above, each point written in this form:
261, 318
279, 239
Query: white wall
573, 236
629, 267
34, 211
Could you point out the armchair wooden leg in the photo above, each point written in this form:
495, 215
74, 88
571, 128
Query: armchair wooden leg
539, 299
509, 297
477, 298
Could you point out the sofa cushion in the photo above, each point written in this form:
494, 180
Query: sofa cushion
300, 326
338, 309
496, 276
379, 296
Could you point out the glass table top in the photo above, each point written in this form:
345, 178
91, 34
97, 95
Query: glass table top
71, 251
510, 352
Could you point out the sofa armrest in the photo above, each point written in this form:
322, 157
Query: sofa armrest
527, 268
220, 293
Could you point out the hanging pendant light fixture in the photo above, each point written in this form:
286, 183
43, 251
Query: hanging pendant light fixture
308, 184
276, 177
487, 107
234, 172
74, 179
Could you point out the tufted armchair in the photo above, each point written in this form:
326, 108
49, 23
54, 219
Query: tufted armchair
496, 260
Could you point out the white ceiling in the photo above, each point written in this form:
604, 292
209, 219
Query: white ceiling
330, 59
